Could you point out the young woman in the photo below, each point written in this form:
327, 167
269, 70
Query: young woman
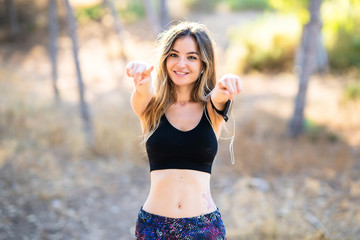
181, 121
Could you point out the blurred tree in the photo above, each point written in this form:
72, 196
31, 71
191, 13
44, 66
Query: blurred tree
307, 65
152, 16
53, 48
204, 5
164, 14
85, 114
14, 25
118, 27
300, 9
120, 32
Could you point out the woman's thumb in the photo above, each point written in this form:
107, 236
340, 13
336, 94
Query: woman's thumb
147, 73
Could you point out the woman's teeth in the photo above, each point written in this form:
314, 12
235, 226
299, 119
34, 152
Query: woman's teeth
180, 73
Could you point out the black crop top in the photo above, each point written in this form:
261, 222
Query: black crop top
171, 148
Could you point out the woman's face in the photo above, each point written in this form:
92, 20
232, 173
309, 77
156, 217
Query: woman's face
183, 63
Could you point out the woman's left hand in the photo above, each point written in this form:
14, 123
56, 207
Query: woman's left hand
226, 88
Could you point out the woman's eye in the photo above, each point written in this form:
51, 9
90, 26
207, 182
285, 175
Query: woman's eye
173, 55
192, 58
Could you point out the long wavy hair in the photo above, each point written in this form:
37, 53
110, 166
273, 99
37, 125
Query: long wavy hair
164, 93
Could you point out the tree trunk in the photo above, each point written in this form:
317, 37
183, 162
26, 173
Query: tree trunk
14, 25
118, 26
85, 114
53, 33
152, 16
322, 61
307, 65
164, 13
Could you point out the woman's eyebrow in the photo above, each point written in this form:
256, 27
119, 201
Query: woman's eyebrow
187, 53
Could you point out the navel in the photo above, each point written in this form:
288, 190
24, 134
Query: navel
179, 205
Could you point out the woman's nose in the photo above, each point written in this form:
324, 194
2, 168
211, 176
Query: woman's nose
181, 62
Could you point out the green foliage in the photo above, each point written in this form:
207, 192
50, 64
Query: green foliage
236, 5
132, 10
352, 91
129, 11
95, 13
267, 44
342, 33
201, 5
299, 8
317, 132
311, 126
340, 28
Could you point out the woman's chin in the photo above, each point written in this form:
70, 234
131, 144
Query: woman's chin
183, 82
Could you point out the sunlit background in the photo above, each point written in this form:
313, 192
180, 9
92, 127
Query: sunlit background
66, 174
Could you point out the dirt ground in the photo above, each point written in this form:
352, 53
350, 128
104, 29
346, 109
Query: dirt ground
279, 188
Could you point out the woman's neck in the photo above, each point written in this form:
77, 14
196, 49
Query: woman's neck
183, 95
183, 102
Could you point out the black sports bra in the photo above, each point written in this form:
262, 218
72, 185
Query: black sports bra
171, 148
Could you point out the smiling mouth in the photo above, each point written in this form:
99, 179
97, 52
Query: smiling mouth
181, 73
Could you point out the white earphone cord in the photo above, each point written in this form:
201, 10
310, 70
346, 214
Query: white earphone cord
232, 139
231, 145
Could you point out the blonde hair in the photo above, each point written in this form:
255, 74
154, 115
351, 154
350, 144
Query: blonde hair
164, 94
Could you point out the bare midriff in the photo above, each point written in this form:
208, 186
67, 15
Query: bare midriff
179, 193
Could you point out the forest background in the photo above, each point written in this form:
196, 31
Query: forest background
71, 161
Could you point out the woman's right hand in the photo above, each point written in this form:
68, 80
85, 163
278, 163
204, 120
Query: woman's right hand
141, 74
143, 90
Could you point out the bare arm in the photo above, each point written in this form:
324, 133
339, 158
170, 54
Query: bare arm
143, 90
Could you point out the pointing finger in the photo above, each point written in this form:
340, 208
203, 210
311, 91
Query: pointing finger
128, 72
136, 69
129, 67
148, 72
239, 85
231, 86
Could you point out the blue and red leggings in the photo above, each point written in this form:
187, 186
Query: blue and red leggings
154, 227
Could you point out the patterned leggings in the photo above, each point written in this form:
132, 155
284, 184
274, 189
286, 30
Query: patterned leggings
154, 227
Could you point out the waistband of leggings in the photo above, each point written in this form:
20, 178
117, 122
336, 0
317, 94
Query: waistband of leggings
204, 219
